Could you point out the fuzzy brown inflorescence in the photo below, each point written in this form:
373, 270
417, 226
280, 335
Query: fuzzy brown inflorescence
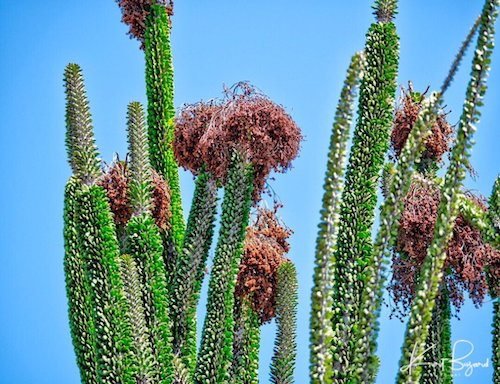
438, 142
135, 12
246, 121
467, 253
190, 126
115, 182
161, 201
265, 248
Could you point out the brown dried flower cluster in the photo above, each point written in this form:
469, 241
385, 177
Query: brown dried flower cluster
190, 126
135, 12
246, 120
438, 142
115, 182
161, 201
265, 248
467, 255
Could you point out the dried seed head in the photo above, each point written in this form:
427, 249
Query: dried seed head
259, 129
115, 183
135, 12
190, 125
438, 142
265, 248
467, 253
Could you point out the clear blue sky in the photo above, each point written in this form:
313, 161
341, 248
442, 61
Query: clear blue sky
295, 51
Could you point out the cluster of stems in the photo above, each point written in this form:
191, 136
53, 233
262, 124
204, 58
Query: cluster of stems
133, 292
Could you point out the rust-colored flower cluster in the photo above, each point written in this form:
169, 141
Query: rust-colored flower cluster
246, 121
135, 12
115, 182
438, 142
467, 253
190, 126
265, 248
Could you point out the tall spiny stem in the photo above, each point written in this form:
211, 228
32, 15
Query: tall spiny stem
161, 114
285, 346
80, 141
190, 272
144, 244
390, 213
460, 55
97, 241
78, 290
245, 364
215, 353
370, 144
140, 169
321, 326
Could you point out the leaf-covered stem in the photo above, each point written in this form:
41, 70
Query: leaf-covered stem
437, 358
460, 55
140, 168
245, 365
285, 347
144, 244
432, 269
80, 142
321, 326
385, 10
215, 353
354, 246
190, 269
99, 247
390, 213
144, 364
161, 111
496, 342
78, 290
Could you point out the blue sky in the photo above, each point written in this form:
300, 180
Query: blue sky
295, 51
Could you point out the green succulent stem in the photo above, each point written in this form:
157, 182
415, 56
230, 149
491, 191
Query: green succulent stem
99, 247
390, 213
480, 220
245, 365
285, 346
140, 168
190, 269
432, 269
320, 323
80, 142
161, 112
437, 358
496, 341
145, 362
354, 246
460, 55
385, 10
78, 290
215, 353
144, 245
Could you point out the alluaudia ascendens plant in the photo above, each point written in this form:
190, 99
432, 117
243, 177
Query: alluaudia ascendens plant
133, 288
431, 273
